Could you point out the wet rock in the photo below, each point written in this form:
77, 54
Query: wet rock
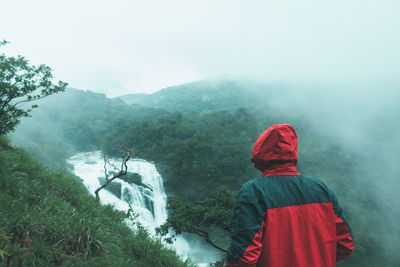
127, 196
132, 178
113, 187
135, 178
91, 162
148, 202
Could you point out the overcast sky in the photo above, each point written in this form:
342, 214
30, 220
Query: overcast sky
119, 47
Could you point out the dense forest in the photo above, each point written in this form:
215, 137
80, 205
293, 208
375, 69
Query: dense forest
199, 148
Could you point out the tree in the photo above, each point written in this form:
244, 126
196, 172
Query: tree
22, 83
120, 171
210, 218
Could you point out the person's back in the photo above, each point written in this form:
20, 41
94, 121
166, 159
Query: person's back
284, 218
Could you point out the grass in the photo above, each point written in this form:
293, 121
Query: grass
48, 218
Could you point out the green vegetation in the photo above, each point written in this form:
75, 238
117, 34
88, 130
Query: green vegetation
201, 151
74, 121
202, 96
48, 219
200, 135
210, 218
22, 83
201, 148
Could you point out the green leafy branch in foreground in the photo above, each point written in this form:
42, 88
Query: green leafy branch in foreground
22, 83
210, 218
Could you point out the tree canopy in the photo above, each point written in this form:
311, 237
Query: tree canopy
211, 218
22, 83
197, 152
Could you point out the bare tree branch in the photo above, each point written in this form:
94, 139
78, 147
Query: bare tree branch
204, 235
125, 156
105, 166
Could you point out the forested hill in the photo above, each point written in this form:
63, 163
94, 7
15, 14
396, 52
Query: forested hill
202, 137
200, 96
75, 121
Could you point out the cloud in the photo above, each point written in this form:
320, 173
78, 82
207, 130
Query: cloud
141, 46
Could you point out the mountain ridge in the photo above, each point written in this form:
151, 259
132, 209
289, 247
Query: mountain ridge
200, 96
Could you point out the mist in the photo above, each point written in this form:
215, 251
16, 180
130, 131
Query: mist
142, 46
334, 63
362, 119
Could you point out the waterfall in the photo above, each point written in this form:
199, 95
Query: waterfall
147, 197
143, 189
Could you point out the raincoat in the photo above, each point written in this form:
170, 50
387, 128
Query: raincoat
284, 218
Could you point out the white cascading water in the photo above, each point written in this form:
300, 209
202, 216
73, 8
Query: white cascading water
90, 166
148, 199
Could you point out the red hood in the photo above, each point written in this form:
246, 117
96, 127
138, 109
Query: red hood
275, 151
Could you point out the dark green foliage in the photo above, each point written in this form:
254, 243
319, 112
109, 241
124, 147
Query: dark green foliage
75, 121
201, 151
49, 219
22, 83
197, 152
188, 144
206, 218
201, 96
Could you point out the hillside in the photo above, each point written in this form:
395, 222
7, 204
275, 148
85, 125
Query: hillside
200, 96
74, 121
202, 145
49, 219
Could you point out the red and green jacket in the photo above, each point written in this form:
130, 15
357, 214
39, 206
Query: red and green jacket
284, 218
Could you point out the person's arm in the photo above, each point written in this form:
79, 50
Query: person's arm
247, 233
344, 235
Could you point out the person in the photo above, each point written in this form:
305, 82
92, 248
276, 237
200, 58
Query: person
285, 218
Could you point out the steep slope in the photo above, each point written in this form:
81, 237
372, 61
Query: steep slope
48, 219
350, 144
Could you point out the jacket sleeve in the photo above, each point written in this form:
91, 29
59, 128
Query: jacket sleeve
247, 233
344, 235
